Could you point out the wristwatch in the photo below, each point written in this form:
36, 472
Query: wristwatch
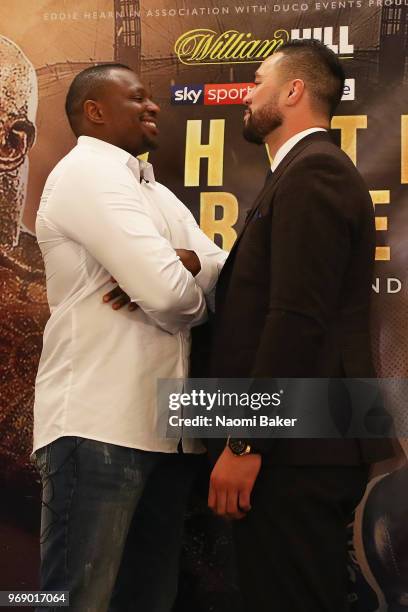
239, 447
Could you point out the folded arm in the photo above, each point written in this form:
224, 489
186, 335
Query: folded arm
211, 257
111, 222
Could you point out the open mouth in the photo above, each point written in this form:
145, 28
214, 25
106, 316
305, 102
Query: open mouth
150, 124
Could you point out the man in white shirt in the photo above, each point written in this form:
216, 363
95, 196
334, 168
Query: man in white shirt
113, 490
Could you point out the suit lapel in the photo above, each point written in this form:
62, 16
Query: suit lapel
270, 184
267, 190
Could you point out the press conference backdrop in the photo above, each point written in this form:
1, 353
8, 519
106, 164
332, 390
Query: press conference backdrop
198, 59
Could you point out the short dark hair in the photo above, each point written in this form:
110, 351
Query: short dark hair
319, 67
84, 87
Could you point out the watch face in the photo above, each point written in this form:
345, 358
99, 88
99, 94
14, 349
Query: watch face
238, 447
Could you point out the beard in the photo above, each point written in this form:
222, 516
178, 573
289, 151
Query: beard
150, 143
260, 124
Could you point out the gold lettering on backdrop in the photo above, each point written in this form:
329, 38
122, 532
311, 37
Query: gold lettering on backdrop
404, 149
204, 46
223, 227
382, 253
213, 151
349, 126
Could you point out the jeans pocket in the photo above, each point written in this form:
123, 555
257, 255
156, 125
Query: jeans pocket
42, 459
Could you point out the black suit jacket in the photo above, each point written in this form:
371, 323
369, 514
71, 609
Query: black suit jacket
293, 298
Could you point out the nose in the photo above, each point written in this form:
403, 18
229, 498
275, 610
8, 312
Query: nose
152, 107
248, 97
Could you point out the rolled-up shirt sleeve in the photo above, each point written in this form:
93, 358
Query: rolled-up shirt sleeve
110, 220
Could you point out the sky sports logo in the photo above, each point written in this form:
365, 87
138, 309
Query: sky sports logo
217, 94
213, 94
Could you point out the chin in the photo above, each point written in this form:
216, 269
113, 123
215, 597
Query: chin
150, 144
252, 135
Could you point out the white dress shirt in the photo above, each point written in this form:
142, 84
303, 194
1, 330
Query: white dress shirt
102, 213
289, 144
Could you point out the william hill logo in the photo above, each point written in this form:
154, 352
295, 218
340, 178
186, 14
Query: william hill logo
205, 46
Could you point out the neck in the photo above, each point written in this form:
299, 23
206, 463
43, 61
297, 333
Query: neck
276, 139
99, 135
106, 137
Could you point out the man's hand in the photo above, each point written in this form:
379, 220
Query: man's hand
231, 484
122, 298
189, 260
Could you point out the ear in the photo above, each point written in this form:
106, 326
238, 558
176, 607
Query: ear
93, 111
19, 135
296, 89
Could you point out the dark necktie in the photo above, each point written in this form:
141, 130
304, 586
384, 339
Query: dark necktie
251, 211
268, 176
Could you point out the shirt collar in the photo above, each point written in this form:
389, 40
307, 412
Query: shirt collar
289, 144
141, 169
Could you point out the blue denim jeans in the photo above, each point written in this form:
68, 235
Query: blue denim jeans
111, 524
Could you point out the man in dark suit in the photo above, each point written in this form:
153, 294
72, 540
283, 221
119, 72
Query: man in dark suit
293, 301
